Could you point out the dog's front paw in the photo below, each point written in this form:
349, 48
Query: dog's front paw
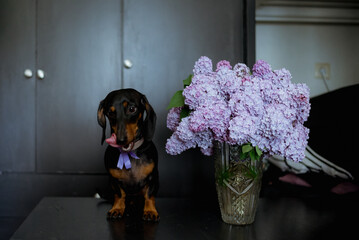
115, 213
151, 215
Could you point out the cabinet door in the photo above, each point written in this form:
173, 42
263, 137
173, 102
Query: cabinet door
79, 49
163, 39
17, 93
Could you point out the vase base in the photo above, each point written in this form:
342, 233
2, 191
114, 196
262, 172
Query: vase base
236, 221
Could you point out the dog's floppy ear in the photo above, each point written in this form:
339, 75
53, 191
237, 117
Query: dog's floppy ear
149, 122
101, 119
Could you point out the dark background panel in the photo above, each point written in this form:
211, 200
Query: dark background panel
163, 40
17, 93
79, 48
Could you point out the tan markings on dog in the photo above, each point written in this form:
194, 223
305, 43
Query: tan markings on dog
125, 104
142, 171
114, 128
131, 129
112, 109
150, 204
147, 106
149, 210
136, 172
118, 207
101, 117
118, 173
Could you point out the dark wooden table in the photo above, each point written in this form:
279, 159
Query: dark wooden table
281, 218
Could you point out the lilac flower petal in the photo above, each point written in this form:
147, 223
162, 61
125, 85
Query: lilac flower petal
231, 105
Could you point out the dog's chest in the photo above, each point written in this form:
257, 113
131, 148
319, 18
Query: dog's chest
136, 173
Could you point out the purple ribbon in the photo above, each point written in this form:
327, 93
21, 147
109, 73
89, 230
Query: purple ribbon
124, 158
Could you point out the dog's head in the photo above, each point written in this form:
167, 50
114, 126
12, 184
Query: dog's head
130, 115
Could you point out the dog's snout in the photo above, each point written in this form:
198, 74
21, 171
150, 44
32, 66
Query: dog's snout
121, 135
121, 140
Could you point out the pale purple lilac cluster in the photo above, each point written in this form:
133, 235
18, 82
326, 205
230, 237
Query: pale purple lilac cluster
236, 106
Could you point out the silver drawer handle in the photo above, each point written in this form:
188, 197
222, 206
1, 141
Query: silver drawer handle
127, 63
40, 74
28, 73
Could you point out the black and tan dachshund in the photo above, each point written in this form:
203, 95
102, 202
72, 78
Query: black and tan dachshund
131, 157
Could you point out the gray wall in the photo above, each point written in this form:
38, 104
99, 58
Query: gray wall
298, 36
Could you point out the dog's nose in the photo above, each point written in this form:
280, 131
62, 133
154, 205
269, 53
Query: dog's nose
121, 141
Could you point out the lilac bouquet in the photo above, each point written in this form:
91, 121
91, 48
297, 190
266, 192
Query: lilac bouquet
261, 111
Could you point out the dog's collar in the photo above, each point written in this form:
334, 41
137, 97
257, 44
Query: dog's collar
133, 145
129, 147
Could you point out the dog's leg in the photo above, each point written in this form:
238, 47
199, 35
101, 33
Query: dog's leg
118, 207
149, 211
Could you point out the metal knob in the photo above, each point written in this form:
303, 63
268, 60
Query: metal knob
127, 63
28, 73
40, 74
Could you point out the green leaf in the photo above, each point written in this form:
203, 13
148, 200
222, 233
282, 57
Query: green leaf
243, 156
187, 81
223, 176
246, 148
258, 151
252, 155
185, 112
251, 172
177, 100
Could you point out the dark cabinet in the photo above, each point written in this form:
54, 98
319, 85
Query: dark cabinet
49, 124
163, 39
17, 92
79, 48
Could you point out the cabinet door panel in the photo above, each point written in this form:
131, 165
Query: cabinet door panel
79, 50
163, 39
17, 93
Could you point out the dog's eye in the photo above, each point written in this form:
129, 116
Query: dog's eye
132, 109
